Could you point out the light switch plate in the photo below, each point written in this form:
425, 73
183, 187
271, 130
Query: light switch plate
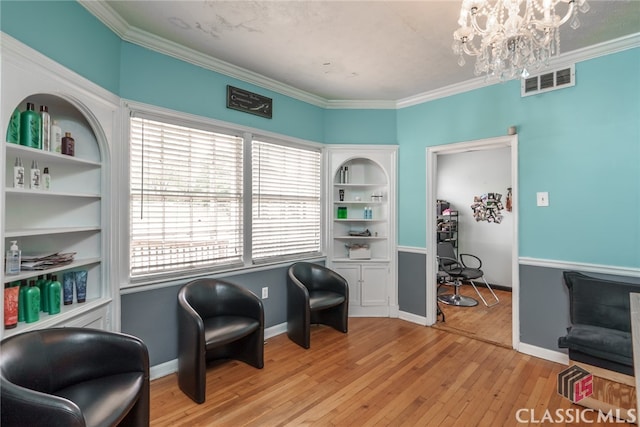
543, 198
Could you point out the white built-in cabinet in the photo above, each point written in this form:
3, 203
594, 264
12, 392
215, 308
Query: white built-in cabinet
362, 247
74, 215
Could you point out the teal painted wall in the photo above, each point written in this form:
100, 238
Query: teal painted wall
67, 33
581, 144
360, 127
160, 80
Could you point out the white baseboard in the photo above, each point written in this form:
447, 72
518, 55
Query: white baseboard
168, 368
413, 318
544, 353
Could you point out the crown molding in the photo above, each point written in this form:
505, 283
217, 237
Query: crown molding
111, 19
584, 54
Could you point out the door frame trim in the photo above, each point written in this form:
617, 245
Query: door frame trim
432, 154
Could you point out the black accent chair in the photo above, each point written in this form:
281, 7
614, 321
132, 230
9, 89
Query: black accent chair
459, 270
600, 331
315, 294
217, 320
73, 377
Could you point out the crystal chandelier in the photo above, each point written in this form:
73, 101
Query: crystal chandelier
510, 36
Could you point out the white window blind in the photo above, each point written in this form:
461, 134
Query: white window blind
286, 201
186, 198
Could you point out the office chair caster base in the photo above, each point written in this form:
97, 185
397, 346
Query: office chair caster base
457, 300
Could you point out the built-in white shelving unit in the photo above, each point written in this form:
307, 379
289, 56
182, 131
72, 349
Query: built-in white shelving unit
74, 214
362, 226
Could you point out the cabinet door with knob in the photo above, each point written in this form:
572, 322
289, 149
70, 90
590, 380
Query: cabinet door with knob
361, 220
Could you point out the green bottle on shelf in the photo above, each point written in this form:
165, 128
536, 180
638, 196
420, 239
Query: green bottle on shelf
54, 291
40, 283
22, 301
30, 127
32, 308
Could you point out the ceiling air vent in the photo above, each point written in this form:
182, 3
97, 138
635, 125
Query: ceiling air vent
557, 79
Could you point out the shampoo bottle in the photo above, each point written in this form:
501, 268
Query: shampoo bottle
32, 303
56, 137
13, 131
30, 127
54, 289
11, 297
45, 128
41, 283
35, 175
22, 300
68, 144
18, 174
13, 259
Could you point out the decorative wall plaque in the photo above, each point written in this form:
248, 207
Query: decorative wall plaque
249, 102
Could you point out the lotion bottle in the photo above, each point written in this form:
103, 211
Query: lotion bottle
18, 174
35, 175
30, 127
56, 137
46, 179
13, 259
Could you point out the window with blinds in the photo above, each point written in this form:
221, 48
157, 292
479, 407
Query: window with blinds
285, 201
185, 198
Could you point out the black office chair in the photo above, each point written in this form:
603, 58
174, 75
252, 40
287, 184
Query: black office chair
315, 294
74, 377
216, 320
459, 271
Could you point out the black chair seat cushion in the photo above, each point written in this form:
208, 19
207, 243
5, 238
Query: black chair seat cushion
105, 401
319, 300
605, 343
471, 273
221, 330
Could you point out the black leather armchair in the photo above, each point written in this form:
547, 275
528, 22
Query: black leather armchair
216, 320
70, 377
315, 294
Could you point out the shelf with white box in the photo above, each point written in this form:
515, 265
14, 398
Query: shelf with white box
361, 224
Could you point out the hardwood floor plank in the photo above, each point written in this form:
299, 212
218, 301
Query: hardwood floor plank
384, 372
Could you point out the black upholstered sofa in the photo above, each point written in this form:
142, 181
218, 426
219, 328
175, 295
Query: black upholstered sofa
600, 334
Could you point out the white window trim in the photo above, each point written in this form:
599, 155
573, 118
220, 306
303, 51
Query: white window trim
136, 109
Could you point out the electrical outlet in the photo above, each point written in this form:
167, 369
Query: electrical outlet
265, 292
542, 198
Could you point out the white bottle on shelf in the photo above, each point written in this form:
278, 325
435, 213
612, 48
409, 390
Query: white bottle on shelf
35, 175
18, 174
56, 137
12, 266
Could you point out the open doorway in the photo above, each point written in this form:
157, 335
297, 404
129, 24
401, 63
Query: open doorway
497, 244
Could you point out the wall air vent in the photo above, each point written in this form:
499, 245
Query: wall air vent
552, 80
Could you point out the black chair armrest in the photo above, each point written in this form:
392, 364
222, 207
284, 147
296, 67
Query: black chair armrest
33, 408
474, 258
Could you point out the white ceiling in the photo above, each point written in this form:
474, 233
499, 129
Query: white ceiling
331, 50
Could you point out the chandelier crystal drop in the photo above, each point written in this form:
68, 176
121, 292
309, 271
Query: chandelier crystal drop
511, 37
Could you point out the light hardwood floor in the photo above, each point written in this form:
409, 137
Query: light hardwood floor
384, 372
491, 324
